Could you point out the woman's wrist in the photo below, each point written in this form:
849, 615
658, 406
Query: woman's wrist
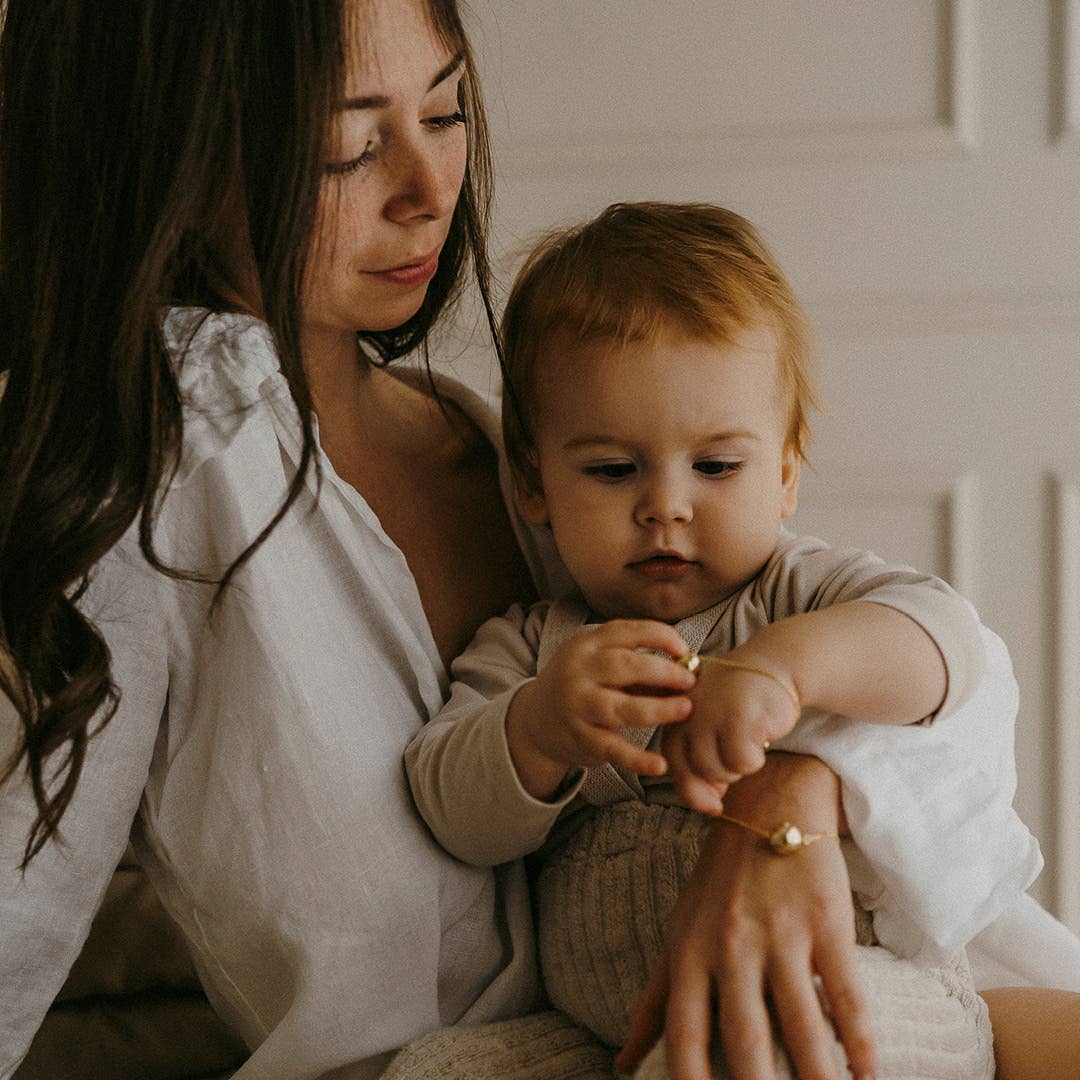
790, 787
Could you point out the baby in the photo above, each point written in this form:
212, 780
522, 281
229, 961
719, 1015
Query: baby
655, 414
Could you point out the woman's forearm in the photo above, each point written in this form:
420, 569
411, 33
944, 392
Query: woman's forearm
750, 923
790, 787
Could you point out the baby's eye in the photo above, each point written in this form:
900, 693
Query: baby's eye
610, 470
717, 468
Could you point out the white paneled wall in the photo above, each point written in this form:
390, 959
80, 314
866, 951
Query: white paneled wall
916, 167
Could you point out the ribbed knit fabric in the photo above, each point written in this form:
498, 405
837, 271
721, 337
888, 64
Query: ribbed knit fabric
609, 880
545, 1046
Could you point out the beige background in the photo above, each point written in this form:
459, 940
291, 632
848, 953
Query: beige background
915, 165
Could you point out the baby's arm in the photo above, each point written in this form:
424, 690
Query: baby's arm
569, 716
858, 660
490, 787
847, 635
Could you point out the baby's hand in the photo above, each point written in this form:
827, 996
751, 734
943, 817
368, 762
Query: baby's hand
597, 683
737, 712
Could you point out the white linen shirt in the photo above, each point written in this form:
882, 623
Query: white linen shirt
260, 755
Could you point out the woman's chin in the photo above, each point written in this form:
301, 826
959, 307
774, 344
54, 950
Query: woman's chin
385, 313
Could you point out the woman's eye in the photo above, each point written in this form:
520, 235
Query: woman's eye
717, 468
441, 123
347, 168
614, 470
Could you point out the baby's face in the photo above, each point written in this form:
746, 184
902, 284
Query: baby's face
665, 468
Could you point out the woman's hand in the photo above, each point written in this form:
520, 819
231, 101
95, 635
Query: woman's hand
752, 926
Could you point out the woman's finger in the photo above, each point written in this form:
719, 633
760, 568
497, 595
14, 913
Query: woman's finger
843, 992
647, 1021
807, 1032
688, 1030
745, 1029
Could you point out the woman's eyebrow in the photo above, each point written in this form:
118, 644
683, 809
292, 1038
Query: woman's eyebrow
380, 101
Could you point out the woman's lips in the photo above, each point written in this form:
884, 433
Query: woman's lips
418, 273
663, 567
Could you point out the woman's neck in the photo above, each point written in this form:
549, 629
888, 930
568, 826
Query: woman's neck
433, 485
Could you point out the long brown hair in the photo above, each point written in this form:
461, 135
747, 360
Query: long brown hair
126, 133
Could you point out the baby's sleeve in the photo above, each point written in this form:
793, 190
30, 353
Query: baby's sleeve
807, 574
459, 767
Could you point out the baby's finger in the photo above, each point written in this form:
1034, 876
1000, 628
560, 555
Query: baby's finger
623, 753
647, 763
628, 669
703, 757
695, 793
642, 634
634, 710
739, 755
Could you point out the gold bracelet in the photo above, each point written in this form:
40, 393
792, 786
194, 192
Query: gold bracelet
784, 838
693, 661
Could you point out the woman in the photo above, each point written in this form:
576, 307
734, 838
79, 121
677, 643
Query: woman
223, 621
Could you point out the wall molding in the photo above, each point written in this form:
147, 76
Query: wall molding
952, 497
962, 544
952, 134
1065, 104
1065, 864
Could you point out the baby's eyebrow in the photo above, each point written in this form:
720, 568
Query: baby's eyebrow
583, 441
381, 101
732, 436
590, 440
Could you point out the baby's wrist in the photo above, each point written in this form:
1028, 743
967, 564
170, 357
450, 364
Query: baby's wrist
539, 772
770, 653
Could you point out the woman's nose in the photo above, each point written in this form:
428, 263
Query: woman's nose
427, 182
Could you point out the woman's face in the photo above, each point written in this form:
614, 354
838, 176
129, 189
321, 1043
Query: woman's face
396, 166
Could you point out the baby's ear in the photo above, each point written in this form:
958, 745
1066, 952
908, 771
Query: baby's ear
789, 481
532, 502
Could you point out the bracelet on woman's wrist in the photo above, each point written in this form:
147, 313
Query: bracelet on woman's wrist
784, 838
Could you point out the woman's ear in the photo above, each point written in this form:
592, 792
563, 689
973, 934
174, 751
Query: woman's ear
789, 481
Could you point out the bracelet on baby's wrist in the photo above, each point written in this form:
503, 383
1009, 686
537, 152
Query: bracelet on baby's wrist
693, 661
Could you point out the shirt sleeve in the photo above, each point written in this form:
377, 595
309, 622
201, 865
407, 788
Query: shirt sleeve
938, 851
807, 574
45, 914
459, 766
